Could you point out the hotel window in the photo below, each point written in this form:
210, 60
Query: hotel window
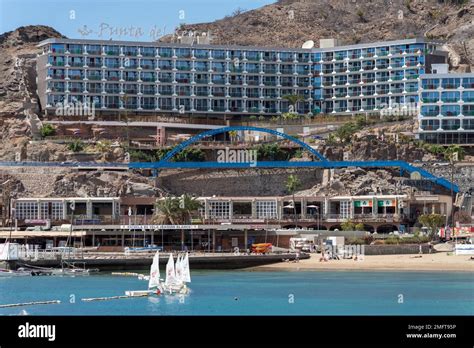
74, 49
201, 54
112, 50
165, 52
252, 55
218, 79
148, 103
130, 88
451, 124
429, 110
468, 110
468, 124
55, 99
219, 210
56, 211
429, 125
94, 74
303, 57
130, 76
112, 88
165, 64
148, 51
183, 53
166, 103
112, 102
166, 90
165, 77
202, 91
57, 48
56, 61
130, 50
112, 75
94, 49
266, 209
430, 83
236, 55
201, 104
112, 62
236, 79
253, 68
450, 110
450, 97
468, 97
218, 54
148, 76
147, 64
468, 82
183, 78
430, 97
183, 90
219, 66
183, 65
75, 74
26, 210
201, 66
149, 89
130, 63
451, 83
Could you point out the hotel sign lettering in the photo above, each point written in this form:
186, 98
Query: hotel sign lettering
159, 227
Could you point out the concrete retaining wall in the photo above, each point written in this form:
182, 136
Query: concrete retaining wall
395, 249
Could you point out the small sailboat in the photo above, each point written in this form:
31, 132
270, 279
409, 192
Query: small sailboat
177, 275
153, 280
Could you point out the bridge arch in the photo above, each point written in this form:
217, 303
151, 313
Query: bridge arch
180, 147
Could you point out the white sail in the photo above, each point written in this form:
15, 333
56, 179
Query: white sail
179, 269
154, 281
185, 269
170, 272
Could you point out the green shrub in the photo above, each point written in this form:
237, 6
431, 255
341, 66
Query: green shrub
47, 130
76, 146
392, 240
355, 241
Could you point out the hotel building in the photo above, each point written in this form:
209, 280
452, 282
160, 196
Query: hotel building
151, 78
447, 108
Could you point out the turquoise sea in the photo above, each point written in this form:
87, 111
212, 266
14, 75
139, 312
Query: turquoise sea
252, 293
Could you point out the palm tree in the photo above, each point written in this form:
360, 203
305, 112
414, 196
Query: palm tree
292, 184
233, 135
293, 100
188, 205
167, 210
450, 152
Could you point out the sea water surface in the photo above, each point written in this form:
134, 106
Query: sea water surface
252, 293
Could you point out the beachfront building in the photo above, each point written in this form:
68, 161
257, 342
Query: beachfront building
224, 222
153, 78
446, 113
56, 211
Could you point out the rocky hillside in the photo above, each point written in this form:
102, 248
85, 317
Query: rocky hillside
289, 23
18, 68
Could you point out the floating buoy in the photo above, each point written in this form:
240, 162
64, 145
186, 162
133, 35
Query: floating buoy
29, 303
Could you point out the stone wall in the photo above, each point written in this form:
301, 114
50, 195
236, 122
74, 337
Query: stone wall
236, 183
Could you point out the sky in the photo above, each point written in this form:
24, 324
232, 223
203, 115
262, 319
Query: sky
138, 20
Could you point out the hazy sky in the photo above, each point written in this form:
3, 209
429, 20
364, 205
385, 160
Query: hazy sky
141, 20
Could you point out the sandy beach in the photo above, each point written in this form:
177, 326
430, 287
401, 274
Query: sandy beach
427, 262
